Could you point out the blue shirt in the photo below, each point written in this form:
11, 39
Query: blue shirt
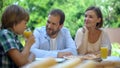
41, 47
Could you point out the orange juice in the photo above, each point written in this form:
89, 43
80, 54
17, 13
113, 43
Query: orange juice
104, 52
27, 34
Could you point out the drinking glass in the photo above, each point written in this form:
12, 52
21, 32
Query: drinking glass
27, 33
104, 52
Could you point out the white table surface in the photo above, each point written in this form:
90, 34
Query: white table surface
112, 58
57, 59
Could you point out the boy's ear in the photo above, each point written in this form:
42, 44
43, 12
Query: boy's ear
13, 27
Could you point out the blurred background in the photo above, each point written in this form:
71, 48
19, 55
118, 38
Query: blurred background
74, 11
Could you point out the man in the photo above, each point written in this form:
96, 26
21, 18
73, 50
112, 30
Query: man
54, 40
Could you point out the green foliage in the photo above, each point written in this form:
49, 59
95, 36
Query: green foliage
1, 5
115, 49
74, 11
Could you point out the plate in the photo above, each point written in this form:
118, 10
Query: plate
59, 60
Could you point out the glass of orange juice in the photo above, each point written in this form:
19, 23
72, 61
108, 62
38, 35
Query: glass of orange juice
104, 52
27, 33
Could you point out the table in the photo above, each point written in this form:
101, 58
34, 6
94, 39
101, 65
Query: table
110, 62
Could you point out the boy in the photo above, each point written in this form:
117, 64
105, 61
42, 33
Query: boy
12, 53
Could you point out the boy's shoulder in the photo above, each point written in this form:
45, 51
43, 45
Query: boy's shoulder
5, 32
2, 31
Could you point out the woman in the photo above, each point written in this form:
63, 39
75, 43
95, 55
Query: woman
91, 37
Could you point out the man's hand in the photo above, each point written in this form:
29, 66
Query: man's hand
31, 57
62, 54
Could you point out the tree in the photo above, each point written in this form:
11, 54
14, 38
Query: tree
74, 11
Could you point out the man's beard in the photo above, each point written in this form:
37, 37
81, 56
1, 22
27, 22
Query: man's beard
51, 33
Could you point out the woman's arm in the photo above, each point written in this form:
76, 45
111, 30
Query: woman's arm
81, 40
